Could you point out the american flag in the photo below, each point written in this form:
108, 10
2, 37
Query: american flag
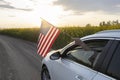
47, 36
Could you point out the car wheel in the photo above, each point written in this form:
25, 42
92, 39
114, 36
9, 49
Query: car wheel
45, 74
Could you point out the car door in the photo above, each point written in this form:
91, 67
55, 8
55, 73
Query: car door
110, 69
76, 62
113, 68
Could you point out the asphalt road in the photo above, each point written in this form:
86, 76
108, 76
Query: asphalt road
18, 60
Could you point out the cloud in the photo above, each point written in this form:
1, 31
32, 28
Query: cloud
118, 6
11, 7
24, 9
11, 16
6, 5
90, 5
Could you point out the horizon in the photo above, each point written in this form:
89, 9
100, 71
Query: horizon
27, 13
63, 26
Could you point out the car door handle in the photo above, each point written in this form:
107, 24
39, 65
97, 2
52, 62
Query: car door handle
79, 77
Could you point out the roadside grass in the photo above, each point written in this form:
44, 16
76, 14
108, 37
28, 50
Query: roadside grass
30, 34
66, 35
78, 32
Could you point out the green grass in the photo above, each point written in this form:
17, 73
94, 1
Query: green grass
31, 34
76, 32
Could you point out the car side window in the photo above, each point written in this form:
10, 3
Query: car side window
86, 57
114, 66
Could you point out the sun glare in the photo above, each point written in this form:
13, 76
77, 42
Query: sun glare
48, 12
41, 9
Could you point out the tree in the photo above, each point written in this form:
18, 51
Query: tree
88, 25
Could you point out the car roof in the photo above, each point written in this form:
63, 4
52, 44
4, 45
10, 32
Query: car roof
106, 34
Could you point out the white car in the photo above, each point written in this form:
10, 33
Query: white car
94, 57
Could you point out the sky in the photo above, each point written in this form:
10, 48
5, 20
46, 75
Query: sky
28, 13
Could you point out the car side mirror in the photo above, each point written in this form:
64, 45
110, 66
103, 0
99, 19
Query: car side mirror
55, 56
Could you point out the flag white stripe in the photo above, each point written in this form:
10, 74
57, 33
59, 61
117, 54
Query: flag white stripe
42, 43
48, 39
45, 41
50, 42
42, 37
39, 39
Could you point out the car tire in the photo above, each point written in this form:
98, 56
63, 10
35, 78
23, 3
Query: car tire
45, 74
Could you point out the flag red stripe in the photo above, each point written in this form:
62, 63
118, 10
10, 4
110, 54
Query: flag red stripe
48, 46
39, 36
44, 40
47, 50
48, 40
40, 41
42, 37
51, 42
